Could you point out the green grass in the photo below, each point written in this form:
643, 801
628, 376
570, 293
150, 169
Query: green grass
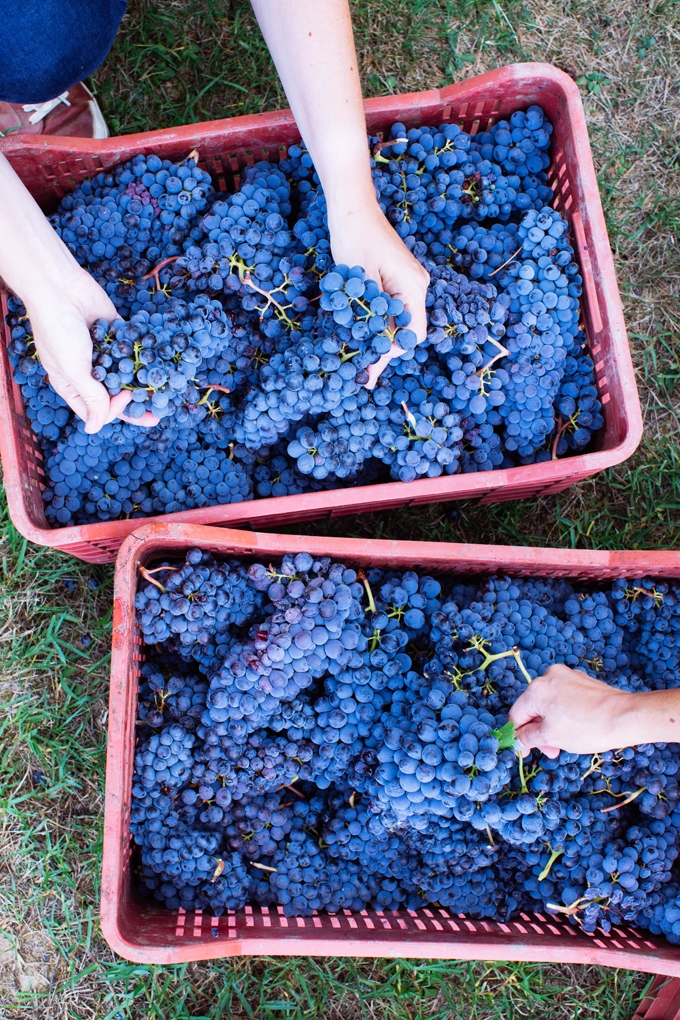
185, 60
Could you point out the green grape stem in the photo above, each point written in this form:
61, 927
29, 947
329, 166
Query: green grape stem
146, 574
369, 594
634, 594
522, 777
274, 575
514, 652
554, 854
246, 278
629, 799
595, 765
374, 640
478, 644
503, 352
213, 386
576, 906
506, 263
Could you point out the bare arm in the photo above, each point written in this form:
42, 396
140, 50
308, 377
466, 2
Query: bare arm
569, 710
312, 45
61, 298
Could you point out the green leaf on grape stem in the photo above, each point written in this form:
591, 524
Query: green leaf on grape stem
505, 735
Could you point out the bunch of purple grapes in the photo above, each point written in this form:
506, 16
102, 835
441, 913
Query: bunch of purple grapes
329, 739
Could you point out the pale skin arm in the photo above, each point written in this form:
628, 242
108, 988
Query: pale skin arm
568, 710
312, 45
62, 300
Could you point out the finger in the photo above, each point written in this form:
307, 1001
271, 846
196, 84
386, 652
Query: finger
147, 421
94, 303
88, 398
117, 405
524, 709
413, 299
548, 751
531, 735
415, 303
96, 399
117, 410
72, 397
376, 370
105, 308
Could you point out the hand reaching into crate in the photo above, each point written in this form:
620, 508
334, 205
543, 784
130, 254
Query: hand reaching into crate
313, 48
568, 710
368, 239
62, 301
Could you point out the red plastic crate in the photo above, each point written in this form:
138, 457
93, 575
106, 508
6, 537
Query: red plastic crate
145, 931
50, 167
662, 1001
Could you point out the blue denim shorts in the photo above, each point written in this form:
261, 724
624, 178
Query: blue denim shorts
47, 46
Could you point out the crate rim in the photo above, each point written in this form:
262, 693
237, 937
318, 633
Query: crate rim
459, 558
15, 144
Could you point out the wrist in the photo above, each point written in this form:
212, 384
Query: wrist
353, 211
652, 716
349, 187
623, 719
645, 717
43, 270
52, 286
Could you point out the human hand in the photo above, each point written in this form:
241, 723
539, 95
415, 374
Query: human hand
60, 323
568, 710
62, 301
364, 237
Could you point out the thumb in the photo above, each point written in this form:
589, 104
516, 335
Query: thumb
95, 303
414, 301
376, 370
95, 399
84, 395
117, 407
527, 708
103, 308
411, 289
532, 735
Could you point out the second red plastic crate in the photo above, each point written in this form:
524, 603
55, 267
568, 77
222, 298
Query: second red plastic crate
50, 167
145, 931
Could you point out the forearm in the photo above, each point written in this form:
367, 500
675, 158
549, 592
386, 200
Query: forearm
312, 45
33, 259
647, 718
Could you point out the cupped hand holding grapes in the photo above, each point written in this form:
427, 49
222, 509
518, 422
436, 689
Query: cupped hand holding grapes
60, 325
565, 709
362, 236
62, 301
